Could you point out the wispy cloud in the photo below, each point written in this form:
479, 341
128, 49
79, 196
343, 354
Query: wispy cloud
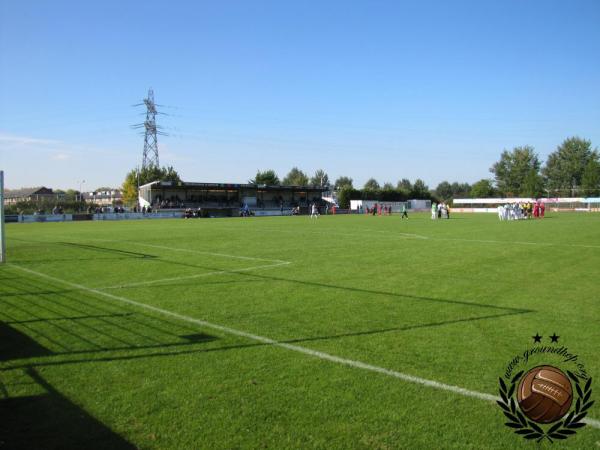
57, 150
13, 140
61, 156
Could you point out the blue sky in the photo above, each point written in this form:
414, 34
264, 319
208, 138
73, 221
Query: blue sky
385, 89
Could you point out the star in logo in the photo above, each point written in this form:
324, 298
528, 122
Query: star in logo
554, 338
537, 338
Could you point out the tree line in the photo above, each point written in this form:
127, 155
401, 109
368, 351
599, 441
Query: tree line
344, 186
295, 177
573, 169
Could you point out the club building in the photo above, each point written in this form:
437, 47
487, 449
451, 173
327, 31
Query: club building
225, 199
36, 194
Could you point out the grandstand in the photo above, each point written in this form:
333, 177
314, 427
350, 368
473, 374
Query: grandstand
225, 199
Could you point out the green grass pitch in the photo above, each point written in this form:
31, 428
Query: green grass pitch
286, 332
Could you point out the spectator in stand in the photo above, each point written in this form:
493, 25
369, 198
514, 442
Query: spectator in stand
245, 210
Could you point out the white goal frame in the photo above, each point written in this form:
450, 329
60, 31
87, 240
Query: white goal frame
2, 235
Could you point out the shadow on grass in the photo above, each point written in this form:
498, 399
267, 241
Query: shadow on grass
201, 337
110, 254
255, 275
406, 328
36, 293
14, 344
75, 323
99, 248
141, 334
98, 316
51, 421
73, 260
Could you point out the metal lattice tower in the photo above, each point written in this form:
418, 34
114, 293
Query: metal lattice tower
150, 132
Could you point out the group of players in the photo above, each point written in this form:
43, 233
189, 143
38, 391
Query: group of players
440, 211
518, 211
384, 210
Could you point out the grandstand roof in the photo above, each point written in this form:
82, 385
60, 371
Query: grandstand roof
187, 184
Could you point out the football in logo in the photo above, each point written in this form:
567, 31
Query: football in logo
545, 394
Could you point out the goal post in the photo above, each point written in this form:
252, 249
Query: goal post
2, 236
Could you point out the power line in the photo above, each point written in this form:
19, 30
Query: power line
151, 130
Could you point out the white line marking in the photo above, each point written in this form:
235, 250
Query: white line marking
334, 233
542, 244
393, 233
189, 277
485, 241
296, 348
224, 255
431, 238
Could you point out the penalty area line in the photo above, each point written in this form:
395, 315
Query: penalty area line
191, 277
200, 252
296, 348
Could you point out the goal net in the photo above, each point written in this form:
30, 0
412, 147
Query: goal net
2, 243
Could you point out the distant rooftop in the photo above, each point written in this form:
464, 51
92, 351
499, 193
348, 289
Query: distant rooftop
28, 192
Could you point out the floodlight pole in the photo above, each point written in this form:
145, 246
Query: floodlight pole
80, 190
2, 235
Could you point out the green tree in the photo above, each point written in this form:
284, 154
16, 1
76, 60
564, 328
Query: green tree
296, 177
404, 185
371, 185
483, 189
460, 190
343, 181
444, 191
344, 195
590, 180
420, 190
513, 168
268, 177
320, 178
533, 185
71, 195
387, 187
565, 166
137, 177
